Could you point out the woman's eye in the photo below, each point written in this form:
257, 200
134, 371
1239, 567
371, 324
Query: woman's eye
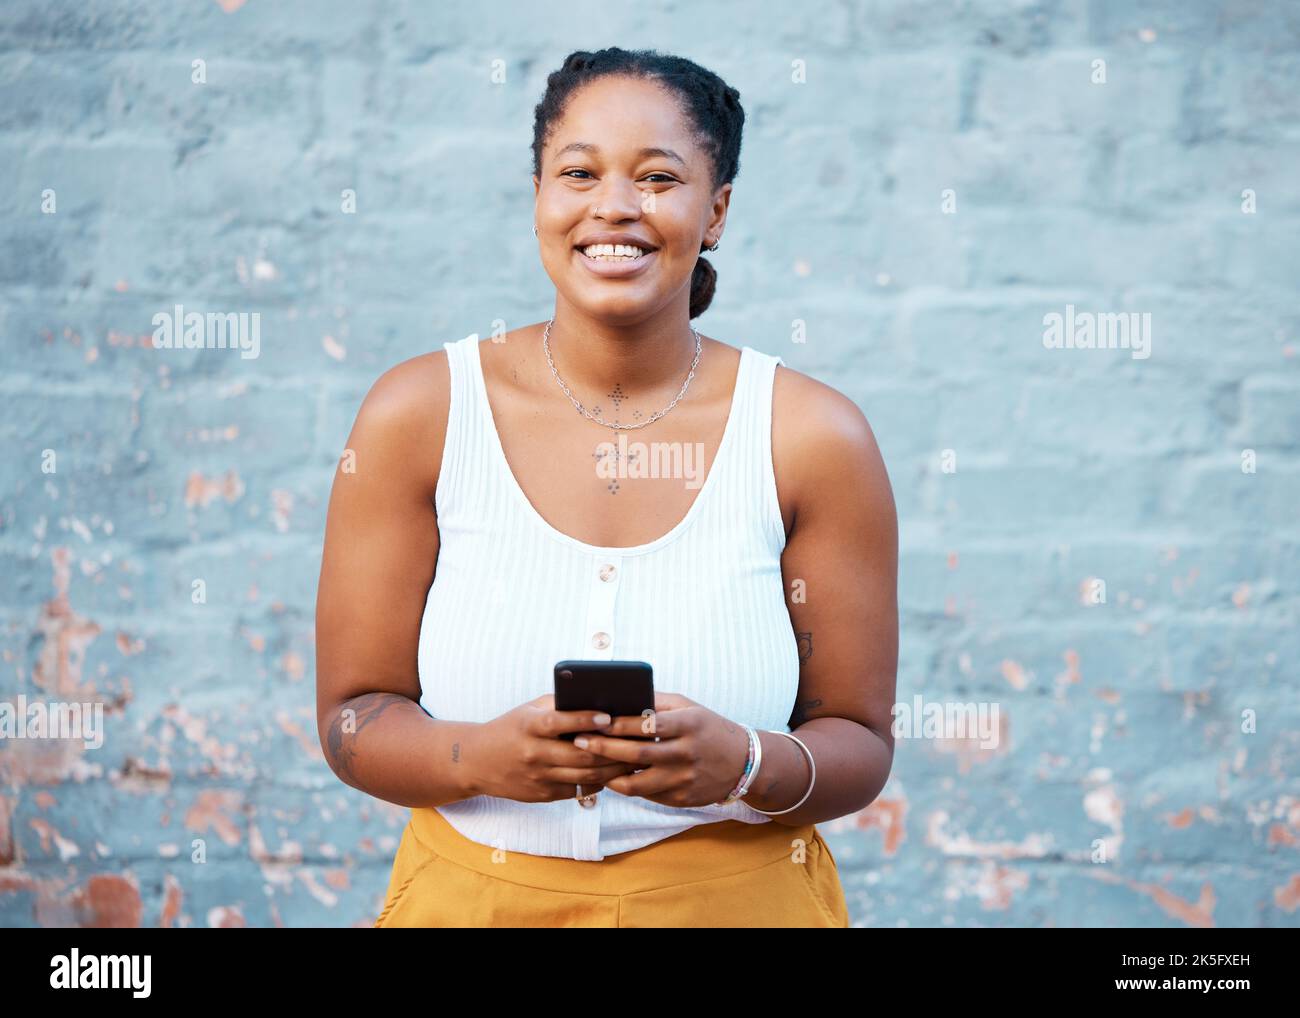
665, 176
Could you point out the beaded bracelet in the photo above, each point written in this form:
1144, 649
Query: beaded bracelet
753, 758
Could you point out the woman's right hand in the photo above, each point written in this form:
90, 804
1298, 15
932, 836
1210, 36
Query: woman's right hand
523, 758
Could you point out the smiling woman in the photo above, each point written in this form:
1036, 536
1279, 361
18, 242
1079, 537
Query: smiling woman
452, 583
683, 193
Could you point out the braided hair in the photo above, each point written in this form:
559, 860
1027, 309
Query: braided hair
712, 106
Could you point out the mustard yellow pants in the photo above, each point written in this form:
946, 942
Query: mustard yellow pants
722, 874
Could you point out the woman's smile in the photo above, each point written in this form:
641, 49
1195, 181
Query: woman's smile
616, 267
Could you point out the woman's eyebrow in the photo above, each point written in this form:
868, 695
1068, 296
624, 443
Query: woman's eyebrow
584, 146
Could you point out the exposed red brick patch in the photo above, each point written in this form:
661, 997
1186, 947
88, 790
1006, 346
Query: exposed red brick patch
107, 900
1287, 897
199, 491
51, 838
1199, 913
15, 880
226, 917
57, 673
66, 635
310, 743
127, 645
1071, 675
1285, 830
212, 809
322, 894
997, 886
1014, 673
338, 878
290, 852
888, 815
6, 831
171, 907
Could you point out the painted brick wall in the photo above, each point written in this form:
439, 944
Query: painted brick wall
1103, 547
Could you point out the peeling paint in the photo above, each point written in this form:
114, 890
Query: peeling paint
1287, 898
212, 810
1014, 673
950, 843
889, 815
201, 491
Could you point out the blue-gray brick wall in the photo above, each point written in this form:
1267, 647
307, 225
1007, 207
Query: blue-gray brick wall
945, 176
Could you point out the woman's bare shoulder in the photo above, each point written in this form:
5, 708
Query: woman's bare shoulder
810, 410
403, 417
822, 443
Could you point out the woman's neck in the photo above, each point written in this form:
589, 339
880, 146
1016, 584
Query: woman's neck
609, 361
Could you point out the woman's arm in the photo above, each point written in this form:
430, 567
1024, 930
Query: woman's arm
844, 549
381, 546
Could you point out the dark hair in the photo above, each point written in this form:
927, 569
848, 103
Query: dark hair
712, 105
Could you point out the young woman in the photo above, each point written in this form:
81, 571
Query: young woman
482, 528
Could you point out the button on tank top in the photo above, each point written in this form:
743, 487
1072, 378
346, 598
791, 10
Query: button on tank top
703, 604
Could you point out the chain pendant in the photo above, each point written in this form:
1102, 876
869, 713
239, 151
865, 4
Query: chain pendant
617, 396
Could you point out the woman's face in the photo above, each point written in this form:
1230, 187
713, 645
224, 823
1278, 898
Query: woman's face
597, 180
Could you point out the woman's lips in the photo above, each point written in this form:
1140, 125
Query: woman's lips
615, 268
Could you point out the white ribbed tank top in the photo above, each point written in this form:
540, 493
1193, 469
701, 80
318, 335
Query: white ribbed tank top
704, 604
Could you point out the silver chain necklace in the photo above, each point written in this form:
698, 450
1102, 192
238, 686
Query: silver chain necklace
583, 410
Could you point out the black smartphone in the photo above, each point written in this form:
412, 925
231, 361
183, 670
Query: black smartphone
619, 688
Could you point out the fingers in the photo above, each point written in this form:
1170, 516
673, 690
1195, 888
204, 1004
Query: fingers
588, 776
561, 782
550, 754
667, 722
641, 752
646, 783
554, 723
650, 726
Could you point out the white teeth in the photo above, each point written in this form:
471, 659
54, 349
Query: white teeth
608, 251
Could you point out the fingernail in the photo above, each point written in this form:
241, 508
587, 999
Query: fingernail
602, 719
580, 742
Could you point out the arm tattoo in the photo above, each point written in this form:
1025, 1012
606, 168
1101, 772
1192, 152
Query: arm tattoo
353, 715
766, 790
805, 646
801, 709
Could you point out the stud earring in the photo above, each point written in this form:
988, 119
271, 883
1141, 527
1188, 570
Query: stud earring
534, 229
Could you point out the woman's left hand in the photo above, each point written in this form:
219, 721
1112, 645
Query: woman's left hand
696, 761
